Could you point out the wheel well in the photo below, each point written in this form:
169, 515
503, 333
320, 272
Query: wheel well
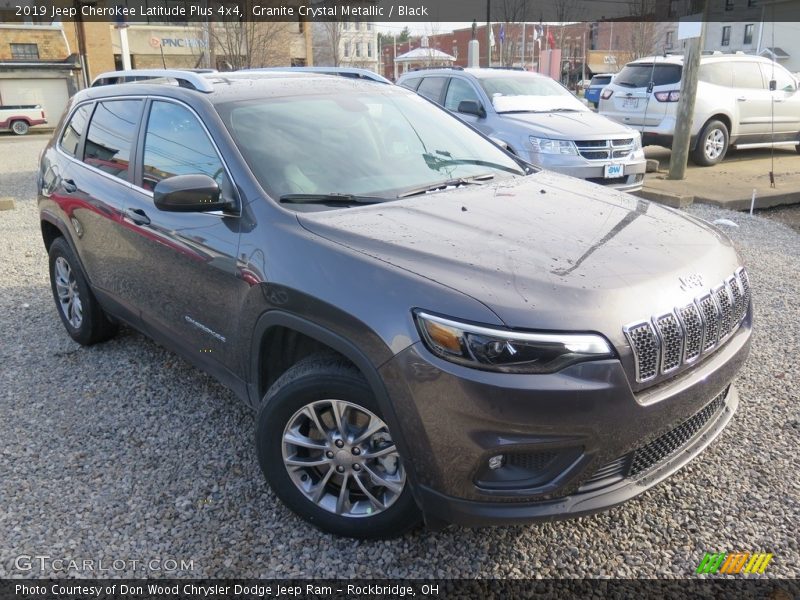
722, 118
49, 233
281, 347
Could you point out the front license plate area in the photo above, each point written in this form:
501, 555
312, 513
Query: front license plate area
613, 171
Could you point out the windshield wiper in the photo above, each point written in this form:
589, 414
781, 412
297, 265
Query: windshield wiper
434, 162
330, 199
446, 184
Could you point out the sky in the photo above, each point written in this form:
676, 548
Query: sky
418, 28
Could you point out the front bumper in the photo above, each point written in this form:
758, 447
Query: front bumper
594, 171
586, 417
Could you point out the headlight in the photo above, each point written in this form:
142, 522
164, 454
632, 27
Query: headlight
546, 146
637, 141
507, 351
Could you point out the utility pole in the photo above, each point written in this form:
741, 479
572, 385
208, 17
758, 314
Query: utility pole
683, 119
488, 33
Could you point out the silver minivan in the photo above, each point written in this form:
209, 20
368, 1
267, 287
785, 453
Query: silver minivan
539, 120
741, 99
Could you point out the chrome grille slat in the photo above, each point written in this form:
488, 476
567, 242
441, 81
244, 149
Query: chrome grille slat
671, 335
692, 325
644, 342
682, 336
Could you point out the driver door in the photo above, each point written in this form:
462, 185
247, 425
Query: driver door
459, 90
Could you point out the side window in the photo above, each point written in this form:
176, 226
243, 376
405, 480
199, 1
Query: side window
110, 137
431, 88
783, 81
176, 144
716, 73
411, 83
458, 91
747, 75
71, 138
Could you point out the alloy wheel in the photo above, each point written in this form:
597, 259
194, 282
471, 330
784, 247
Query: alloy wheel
69, 298
715, 144
341, 457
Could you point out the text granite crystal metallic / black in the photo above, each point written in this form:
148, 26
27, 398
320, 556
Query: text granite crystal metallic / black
427, 326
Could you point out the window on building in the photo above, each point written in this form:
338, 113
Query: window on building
729, 4
669, 40
73, 132
369, 49
347, 49
176, 144
358, 49
110, 137
748, 34
298, 62
25, 51
370, 26
726, 35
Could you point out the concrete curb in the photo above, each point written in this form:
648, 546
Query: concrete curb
673, 200
6, 204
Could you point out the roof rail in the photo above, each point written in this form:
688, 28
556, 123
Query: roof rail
186, 79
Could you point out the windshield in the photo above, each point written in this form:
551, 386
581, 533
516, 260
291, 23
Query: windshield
641, 74
529, 93
378, 144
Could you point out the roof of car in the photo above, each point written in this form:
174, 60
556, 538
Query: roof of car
223, 87
677, 59
480, 73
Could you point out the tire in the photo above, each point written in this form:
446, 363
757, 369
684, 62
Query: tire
315, 384
712, 144
797, 148
81, 314
19, 127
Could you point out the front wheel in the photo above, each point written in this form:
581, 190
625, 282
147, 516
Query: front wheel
19, 127
712, 145
328, 454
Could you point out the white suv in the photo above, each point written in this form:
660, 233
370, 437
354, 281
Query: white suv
736, 101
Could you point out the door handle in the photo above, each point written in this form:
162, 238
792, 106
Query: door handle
138, 216
69, 186
742, 98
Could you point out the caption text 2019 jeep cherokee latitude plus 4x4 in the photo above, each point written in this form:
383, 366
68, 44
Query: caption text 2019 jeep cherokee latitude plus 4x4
426, 325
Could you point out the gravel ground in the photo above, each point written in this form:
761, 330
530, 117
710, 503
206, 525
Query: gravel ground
125, 452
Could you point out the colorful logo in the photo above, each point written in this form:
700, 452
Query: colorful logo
731, 563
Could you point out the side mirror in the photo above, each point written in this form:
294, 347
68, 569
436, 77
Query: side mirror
188, 193
471, 107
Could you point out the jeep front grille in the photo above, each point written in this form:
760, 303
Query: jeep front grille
665, 342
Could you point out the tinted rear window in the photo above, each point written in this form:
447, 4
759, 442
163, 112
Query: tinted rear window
110, 137
411, 83
596, 80
431, 88
73, 132
641, 74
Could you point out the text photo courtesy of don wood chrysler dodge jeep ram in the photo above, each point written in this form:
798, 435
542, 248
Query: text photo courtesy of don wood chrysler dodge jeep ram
427, 326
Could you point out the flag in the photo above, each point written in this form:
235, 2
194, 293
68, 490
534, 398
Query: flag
491, 36
502, 33
551, 40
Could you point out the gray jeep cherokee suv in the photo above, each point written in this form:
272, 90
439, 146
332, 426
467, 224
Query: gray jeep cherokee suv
426, 325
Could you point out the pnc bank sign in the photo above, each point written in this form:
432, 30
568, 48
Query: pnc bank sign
183, 43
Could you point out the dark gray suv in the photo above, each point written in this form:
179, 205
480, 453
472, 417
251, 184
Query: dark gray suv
427, 325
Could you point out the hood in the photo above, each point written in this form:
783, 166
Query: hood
543, 252
570, 125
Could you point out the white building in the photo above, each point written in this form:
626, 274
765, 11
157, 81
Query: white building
347, 44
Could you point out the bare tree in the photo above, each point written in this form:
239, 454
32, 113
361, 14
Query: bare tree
639, 37
513, 13
249, 44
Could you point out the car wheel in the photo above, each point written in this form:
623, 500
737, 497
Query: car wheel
797, 148
712, 145
85, 320
19, 127
328, 454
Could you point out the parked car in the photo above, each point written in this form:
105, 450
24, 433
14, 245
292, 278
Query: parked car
539, 120
596, 86
20, 118
734, 104
427, 325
